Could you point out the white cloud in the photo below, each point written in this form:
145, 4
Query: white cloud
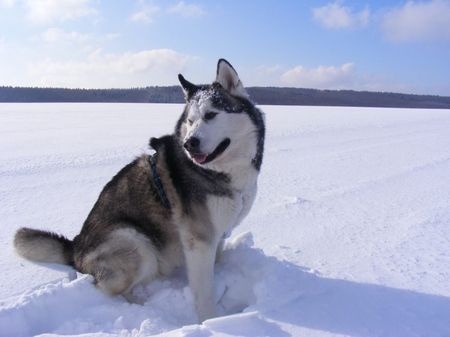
418, 21
54, 34
322, 77
146, 13
187, 10
48, 11
335, 16
343, 77
101, 70
7, 3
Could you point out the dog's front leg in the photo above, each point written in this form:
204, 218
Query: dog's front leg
200, 258
219, 250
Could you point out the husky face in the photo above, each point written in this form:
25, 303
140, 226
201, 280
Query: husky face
216, 126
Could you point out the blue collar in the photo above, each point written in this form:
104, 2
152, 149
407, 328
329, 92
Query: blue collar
158, 183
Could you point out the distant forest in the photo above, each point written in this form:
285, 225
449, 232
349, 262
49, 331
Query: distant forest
260, 95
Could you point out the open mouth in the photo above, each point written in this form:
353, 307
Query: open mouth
201, 158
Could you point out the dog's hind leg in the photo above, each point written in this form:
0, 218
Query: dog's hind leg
126, 259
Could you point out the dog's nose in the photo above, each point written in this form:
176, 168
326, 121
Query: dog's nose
192, 144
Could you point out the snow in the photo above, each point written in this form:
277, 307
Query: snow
349, 235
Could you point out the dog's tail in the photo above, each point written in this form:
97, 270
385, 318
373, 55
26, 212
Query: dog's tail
42, 246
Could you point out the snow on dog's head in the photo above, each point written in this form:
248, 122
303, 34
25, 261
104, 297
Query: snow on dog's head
220, 125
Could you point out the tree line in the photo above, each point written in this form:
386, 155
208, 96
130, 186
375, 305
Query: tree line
260, 95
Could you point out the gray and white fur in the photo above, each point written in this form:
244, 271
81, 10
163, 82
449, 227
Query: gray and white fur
208, 170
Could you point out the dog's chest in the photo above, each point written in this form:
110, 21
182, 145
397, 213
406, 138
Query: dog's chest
227, 212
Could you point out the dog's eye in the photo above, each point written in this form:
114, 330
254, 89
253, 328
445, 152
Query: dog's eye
209, 115
190, 121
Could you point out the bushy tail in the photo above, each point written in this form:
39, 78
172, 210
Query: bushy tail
42, 246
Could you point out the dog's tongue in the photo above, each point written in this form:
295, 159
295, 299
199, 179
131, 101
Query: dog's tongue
200, 158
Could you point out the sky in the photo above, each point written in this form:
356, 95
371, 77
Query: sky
398, 46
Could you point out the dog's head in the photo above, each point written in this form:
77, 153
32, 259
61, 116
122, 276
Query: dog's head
220, 125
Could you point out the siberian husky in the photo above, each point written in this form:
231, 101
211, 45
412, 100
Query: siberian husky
172, 208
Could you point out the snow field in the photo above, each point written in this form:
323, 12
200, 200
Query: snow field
351, 226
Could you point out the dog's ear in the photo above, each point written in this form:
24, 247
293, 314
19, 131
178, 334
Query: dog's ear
155, 143
189, 88
229, 79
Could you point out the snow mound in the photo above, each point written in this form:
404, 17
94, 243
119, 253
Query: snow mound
256, 294
76, 307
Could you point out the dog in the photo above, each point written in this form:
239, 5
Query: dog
172, 208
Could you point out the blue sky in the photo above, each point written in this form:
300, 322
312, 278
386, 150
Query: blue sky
401, 46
